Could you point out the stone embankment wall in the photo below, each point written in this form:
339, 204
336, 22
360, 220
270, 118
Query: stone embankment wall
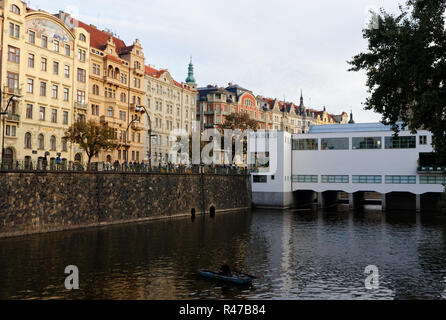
38, 202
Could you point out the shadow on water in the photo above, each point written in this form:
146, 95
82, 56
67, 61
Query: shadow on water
294, 254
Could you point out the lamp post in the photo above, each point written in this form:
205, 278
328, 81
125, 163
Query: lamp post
3, 114
140, 108
125, 138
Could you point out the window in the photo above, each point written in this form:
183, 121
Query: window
29, 111
80, 96
110, 112
66, 94
367, 179
13, 54
42, 113
366, 143
64, 145
94, 110
41, 142
97, 69
423, 140
305, 178
259, 179
30, 61
54, 115
81, 75
13, 80
14, 30
335, 179
400, 142
30, 86
67, 50
44, 64
334, 144
67, 71
305, 144
31, 37
56, 45
15, 9
123, 97
27, 140
43, 88
95, 89
138, 138
432, 179
65, 117
82, 55
401, 179
82, 37
56, 67
53, 143
44, 42
122, 115
10, 131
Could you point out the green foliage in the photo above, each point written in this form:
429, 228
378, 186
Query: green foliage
406, 68
92, 137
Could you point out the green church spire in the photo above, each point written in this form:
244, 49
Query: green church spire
190, 76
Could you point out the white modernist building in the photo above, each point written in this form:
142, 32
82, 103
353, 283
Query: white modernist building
351, 158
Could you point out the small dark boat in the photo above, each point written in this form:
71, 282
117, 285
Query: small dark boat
233, 278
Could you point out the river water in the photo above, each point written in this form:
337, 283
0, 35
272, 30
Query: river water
295, 255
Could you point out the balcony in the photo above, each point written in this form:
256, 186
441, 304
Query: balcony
81, 106
209, 113
13, 91
137, 127
13, 117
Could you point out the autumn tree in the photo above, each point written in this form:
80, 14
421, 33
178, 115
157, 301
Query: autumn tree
92, 137
240, 121
405, 65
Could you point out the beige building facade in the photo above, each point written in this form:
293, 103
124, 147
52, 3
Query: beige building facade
171, 105
44, 68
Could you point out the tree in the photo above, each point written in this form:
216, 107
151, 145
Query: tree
92, 137
406, 68
240, 121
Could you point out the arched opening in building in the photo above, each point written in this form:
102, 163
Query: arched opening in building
109, 158
212, 211
78, 157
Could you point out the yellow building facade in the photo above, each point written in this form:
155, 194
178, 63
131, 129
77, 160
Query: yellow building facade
44, 73
116, 88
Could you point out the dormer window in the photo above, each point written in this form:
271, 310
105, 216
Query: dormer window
82, 37
15, 9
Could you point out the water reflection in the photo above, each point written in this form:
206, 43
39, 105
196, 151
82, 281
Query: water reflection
296, 255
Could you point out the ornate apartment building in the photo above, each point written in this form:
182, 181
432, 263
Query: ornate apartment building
116, 88
171, 105
216, 103
44, 72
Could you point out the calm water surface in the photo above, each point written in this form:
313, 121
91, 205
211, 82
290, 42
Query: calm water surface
295, 255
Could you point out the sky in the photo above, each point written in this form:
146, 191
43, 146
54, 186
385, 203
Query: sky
273, 48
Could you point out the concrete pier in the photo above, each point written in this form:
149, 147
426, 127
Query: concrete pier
327, 199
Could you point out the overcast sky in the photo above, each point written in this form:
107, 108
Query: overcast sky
274, 48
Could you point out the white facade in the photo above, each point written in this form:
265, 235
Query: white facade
353, 169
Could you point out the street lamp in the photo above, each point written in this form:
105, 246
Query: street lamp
135, 120
139, 109
3, 114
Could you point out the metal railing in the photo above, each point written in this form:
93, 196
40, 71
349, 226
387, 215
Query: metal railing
70, 166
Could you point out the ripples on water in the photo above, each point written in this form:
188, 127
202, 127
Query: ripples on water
295, 255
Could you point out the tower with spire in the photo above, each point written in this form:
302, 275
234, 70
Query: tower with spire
190, 75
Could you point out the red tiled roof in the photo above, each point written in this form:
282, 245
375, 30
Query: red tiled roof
158, 73
99, 38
